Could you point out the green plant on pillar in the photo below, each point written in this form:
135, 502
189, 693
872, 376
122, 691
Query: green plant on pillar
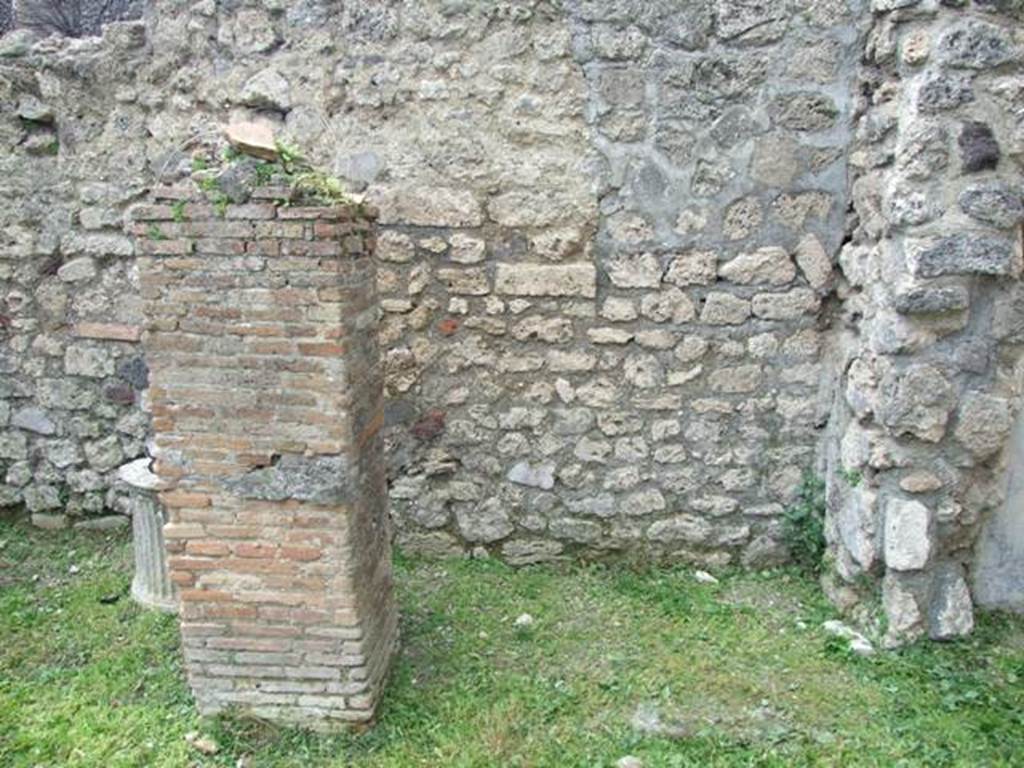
804, 525
306, 181
288, 154
178, 211
853, 477
265, 172
155, 233
319, 187
219, 201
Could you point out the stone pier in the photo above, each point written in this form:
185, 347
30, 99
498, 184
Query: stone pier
267, 404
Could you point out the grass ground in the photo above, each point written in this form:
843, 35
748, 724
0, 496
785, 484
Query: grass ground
739, 672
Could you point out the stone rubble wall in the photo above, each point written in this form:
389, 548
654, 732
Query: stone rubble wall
930, 343
71, 371
635, 371
606, 237
606, 254
267, 407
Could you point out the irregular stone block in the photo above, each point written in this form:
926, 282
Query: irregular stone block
724, 309
942, 91
858, 525
670, 304
251, 138
749, 22
920, 300
983, 424
742, 218
634, 270
33, 420
105, 454
39, 498
908, 535
322, 479
82, 268
923, 149
902, 611
267, 89
32, 109
96, 244
765, 265
534, 476
49, 522
692, 268
785, 306
486, 523
743, 378
138, 474
979, 150
578, 531
94, 362
13, 445
546, 280
104, 523
995, 203
951, 612
805, 112
921, 482
976, 45
681, 529
963, 254
530, 551
814, 262
643, 503
917, 402
471, 281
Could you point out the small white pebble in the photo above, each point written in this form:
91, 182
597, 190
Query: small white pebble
862, 646
859, 644
483, 635
704, 577
629, 761
73, 570
524, 621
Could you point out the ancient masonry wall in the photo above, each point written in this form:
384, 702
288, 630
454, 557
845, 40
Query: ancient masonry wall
596, 334
71, 370
931, 340
608, 232
267, 407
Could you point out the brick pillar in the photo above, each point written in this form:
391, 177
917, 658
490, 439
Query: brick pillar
267, 406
